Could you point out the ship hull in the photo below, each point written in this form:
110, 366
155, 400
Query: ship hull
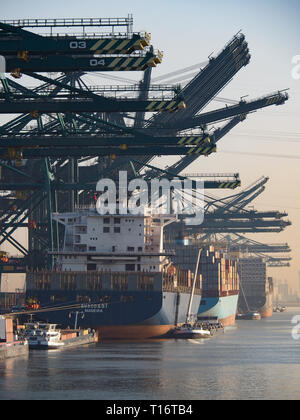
222, 308
258, 289
172, 312
135, 315
267, 310
267, 313
133, 332
261, 304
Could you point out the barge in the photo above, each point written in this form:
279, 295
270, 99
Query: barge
47, 336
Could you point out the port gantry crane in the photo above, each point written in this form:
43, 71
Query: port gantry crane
238, 243
209, 81
227, 219
74, 122
231, 215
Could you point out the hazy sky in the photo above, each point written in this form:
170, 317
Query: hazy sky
188, 32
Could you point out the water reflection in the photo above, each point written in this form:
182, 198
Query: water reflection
256, 360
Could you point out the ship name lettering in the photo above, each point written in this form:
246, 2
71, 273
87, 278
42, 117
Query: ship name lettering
94, 306
94, 310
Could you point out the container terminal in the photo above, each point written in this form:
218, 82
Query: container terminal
130, 275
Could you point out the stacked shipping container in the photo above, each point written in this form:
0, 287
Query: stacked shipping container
219, 274
218, 280
257, 288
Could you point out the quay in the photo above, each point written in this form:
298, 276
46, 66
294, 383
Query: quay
9, 346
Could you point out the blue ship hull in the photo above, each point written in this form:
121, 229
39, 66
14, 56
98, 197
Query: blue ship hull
223, 309
130, 315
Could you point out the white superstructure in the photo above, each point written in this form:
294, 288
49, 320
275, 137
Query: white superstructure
119, 243
43, 336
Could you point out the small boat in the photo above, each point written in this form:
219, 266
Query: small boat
278, 309
253, 316
190, 331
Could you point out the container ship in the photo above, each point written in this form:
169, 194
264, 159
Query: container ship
114, 275
256, 287
219, 279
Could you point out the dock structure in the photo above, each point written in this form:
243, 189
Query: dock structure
69, 134
9, 346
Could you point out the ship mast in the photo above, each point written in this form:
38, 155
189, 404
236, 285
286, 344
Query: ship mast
188, 315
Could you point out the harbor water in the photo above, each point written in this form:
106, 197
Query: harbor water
254, 360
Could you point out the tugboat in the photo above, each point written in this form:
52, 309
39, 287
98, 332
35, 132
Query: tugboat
191, 331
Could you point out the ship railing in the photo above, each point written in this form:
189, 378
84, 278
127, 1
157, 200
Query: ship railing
226, 176
179, 289
70, 22
97, 35
85, 207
